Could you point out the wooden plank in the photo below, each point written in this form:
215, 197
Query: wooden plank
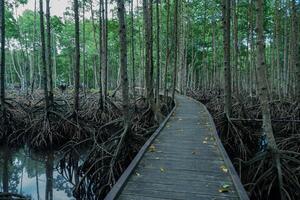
175, 195
138, 197
194, 165
184, 175
209, 185
182, 188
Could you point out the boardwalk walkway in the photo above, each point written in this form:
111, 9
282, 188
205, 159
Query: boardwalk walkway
185, 161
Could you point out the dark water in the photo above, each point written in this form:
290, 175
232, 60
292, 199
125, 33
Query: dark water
33, 176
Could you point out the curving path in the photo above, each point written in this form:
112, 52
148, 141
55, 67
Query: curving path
186, 161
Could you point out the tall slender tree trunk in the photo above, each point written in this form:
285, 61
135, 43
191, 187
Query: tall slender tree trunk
96, 83
132, 50
285, 55
278, 46
167, 50
2, 55
33, 80
295, 49
157, 54
84, 50
43, 56
54, 60
236, 47
263, 92
262, 76
214, 54
104, 49
123, 61
227, 66
77, 58
100, 54
49, 51
175, 47
147, 8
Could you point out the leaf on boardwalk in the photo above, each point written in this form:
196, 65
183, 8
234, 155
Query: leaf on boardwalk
204, 142
224, 188
194, 152
224, 168
152, 148
137, 174
162, 169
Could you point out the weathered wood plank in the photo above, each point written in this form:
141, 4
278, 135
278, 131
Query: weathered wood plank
175, 195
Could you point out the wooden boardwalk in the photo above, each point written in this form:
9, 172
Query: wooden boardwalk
185, 161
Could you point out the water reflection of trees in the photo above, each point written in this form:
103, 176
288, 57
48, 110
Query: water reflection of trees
10, 176
68, 166
13, 166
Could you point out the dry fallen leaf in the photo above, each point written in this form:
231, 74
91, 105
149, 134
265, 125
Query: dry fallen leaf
224, 188
224, 168
152, 148
137, 174
204, 142
162, 169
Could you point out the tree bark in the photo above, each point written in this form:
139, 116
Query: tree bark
295, 49
157, 54
132, 50
2, 55
175, 47
227, 67
278, 46
123, 61
43, 56
167, 50
49, 51
34, 50
263, 92
236, 47
262, 76
104, 49
100, 55
84, 50
147, 11
77, 58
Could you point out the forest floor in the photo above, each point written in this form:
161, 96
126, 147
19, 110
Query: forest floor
96, 127
242, 137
